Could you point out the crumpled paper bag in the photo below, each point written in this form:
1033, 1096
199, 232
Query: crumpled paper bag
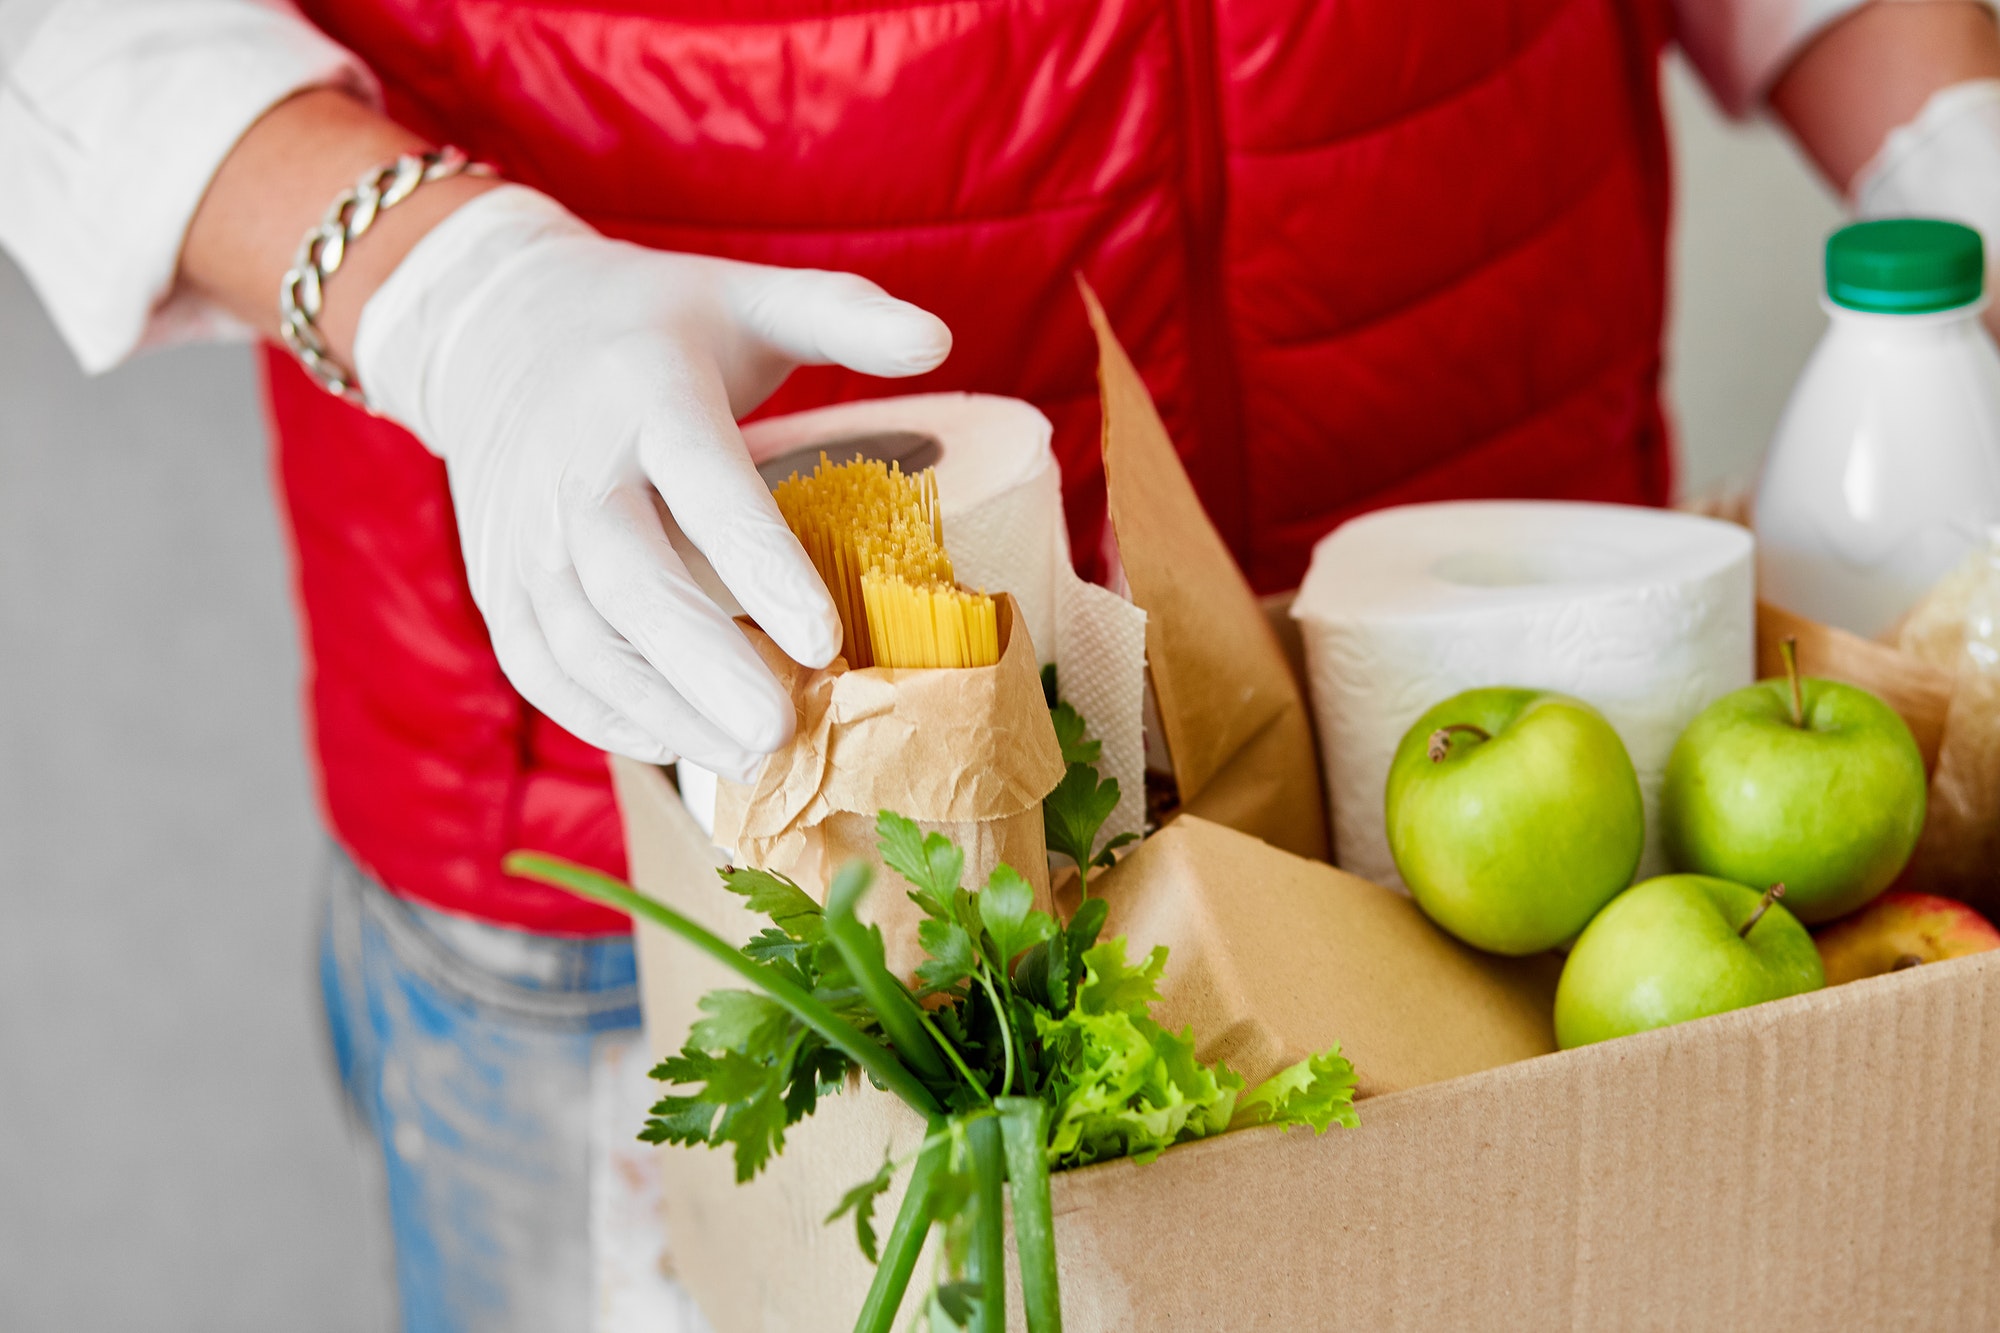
1914, 688
1000, 494
967, 752
1273, 957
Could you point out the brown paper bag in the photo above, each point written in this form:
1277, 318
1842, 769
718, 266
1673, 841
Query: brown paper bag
966, 752
1917, 690
1235, 721
1273, 957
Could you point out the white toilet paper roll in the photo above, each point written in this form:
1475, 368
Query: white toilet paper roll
1001, 496
1647, 614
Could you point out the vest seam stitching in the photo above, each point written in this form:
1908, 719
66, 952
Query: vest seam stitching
1482, 263
1404, 115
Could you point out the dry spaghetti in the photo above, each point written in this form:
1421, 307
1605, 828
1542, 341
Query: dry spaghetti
877, 539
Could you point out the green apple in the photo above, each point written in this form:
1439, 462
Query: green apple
1808, 782
1513, 815
1678, 947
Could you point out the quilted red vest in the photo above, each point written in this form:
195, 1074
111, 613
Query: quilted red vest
1364, 251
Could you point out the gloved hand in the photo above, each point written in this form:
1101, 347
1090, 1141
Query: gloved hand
1943, 164
563, 377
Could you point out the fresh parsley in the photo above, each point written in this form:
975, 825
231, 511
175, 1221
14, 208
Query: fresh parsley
1028, 1044
1074, 813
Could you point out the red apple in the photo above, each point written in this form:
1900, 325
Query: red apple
1900, 930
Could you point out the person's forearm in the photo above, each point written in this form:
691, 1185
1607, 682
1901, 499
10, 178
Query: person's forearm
277, 184
1873, 71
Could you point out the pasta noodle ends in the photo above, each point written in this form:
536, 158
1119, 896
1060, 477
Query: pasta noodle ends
877, 539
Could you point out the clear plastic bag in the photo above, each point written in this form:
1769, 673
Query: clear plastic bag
1956, 627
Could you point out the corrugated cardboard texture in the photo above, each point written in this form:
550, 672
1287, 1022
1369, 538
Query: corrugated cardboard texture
1273, 957
1830, 1161
754, 1257
1825, 1162
1235, 722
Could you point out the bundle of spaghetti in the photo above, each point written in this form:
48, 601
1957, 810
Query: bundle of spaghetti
929, 626
875, 535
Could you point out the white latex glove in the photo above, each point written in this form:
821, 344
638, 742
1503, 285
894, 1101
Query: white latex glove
563, 378
1943, 164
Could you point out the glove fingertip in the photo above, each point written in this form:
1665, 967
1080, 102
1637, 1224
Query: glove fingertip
740, 768
768, 730
921, 343
634, 744
811, 640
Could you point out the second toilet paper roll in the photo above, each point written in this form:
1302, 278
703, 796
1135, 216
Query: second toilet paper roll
1647, 614
1000, 493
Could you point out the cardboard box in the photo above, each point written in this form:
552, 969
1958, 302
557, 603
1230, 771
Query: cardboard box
1826, 1162
1830, 1161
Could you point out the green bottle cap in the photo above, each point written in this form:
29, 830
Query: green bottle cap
1904, 266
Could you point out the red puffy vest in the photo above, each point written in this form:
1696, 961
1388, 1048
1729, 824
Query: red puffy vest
1364, 252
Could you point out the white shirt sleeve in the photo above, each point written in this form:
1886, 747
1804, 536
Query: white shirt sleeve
114, 116
1740, 47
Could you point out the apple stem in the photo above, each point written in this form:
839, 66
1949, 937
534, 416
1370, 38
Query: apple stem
1771, 895
1790, 651
1441, 738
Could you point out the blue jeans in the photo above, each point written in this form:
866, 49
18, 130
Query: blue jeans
466, 1051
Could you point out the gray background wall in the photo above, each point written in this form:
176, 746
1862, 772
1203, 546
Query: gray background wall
170, 1153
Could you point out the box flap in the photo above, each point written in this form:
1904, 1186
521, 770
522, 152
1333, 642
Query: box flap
1273, 957
1235, 723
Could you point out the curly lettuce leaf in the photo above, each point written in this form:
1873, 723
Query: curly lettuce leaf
1121, 1084
1317, 1091
1111, 985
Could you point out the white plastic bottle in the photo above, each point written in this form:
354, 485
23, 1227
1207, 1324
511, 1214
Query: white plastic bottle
1885, 471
